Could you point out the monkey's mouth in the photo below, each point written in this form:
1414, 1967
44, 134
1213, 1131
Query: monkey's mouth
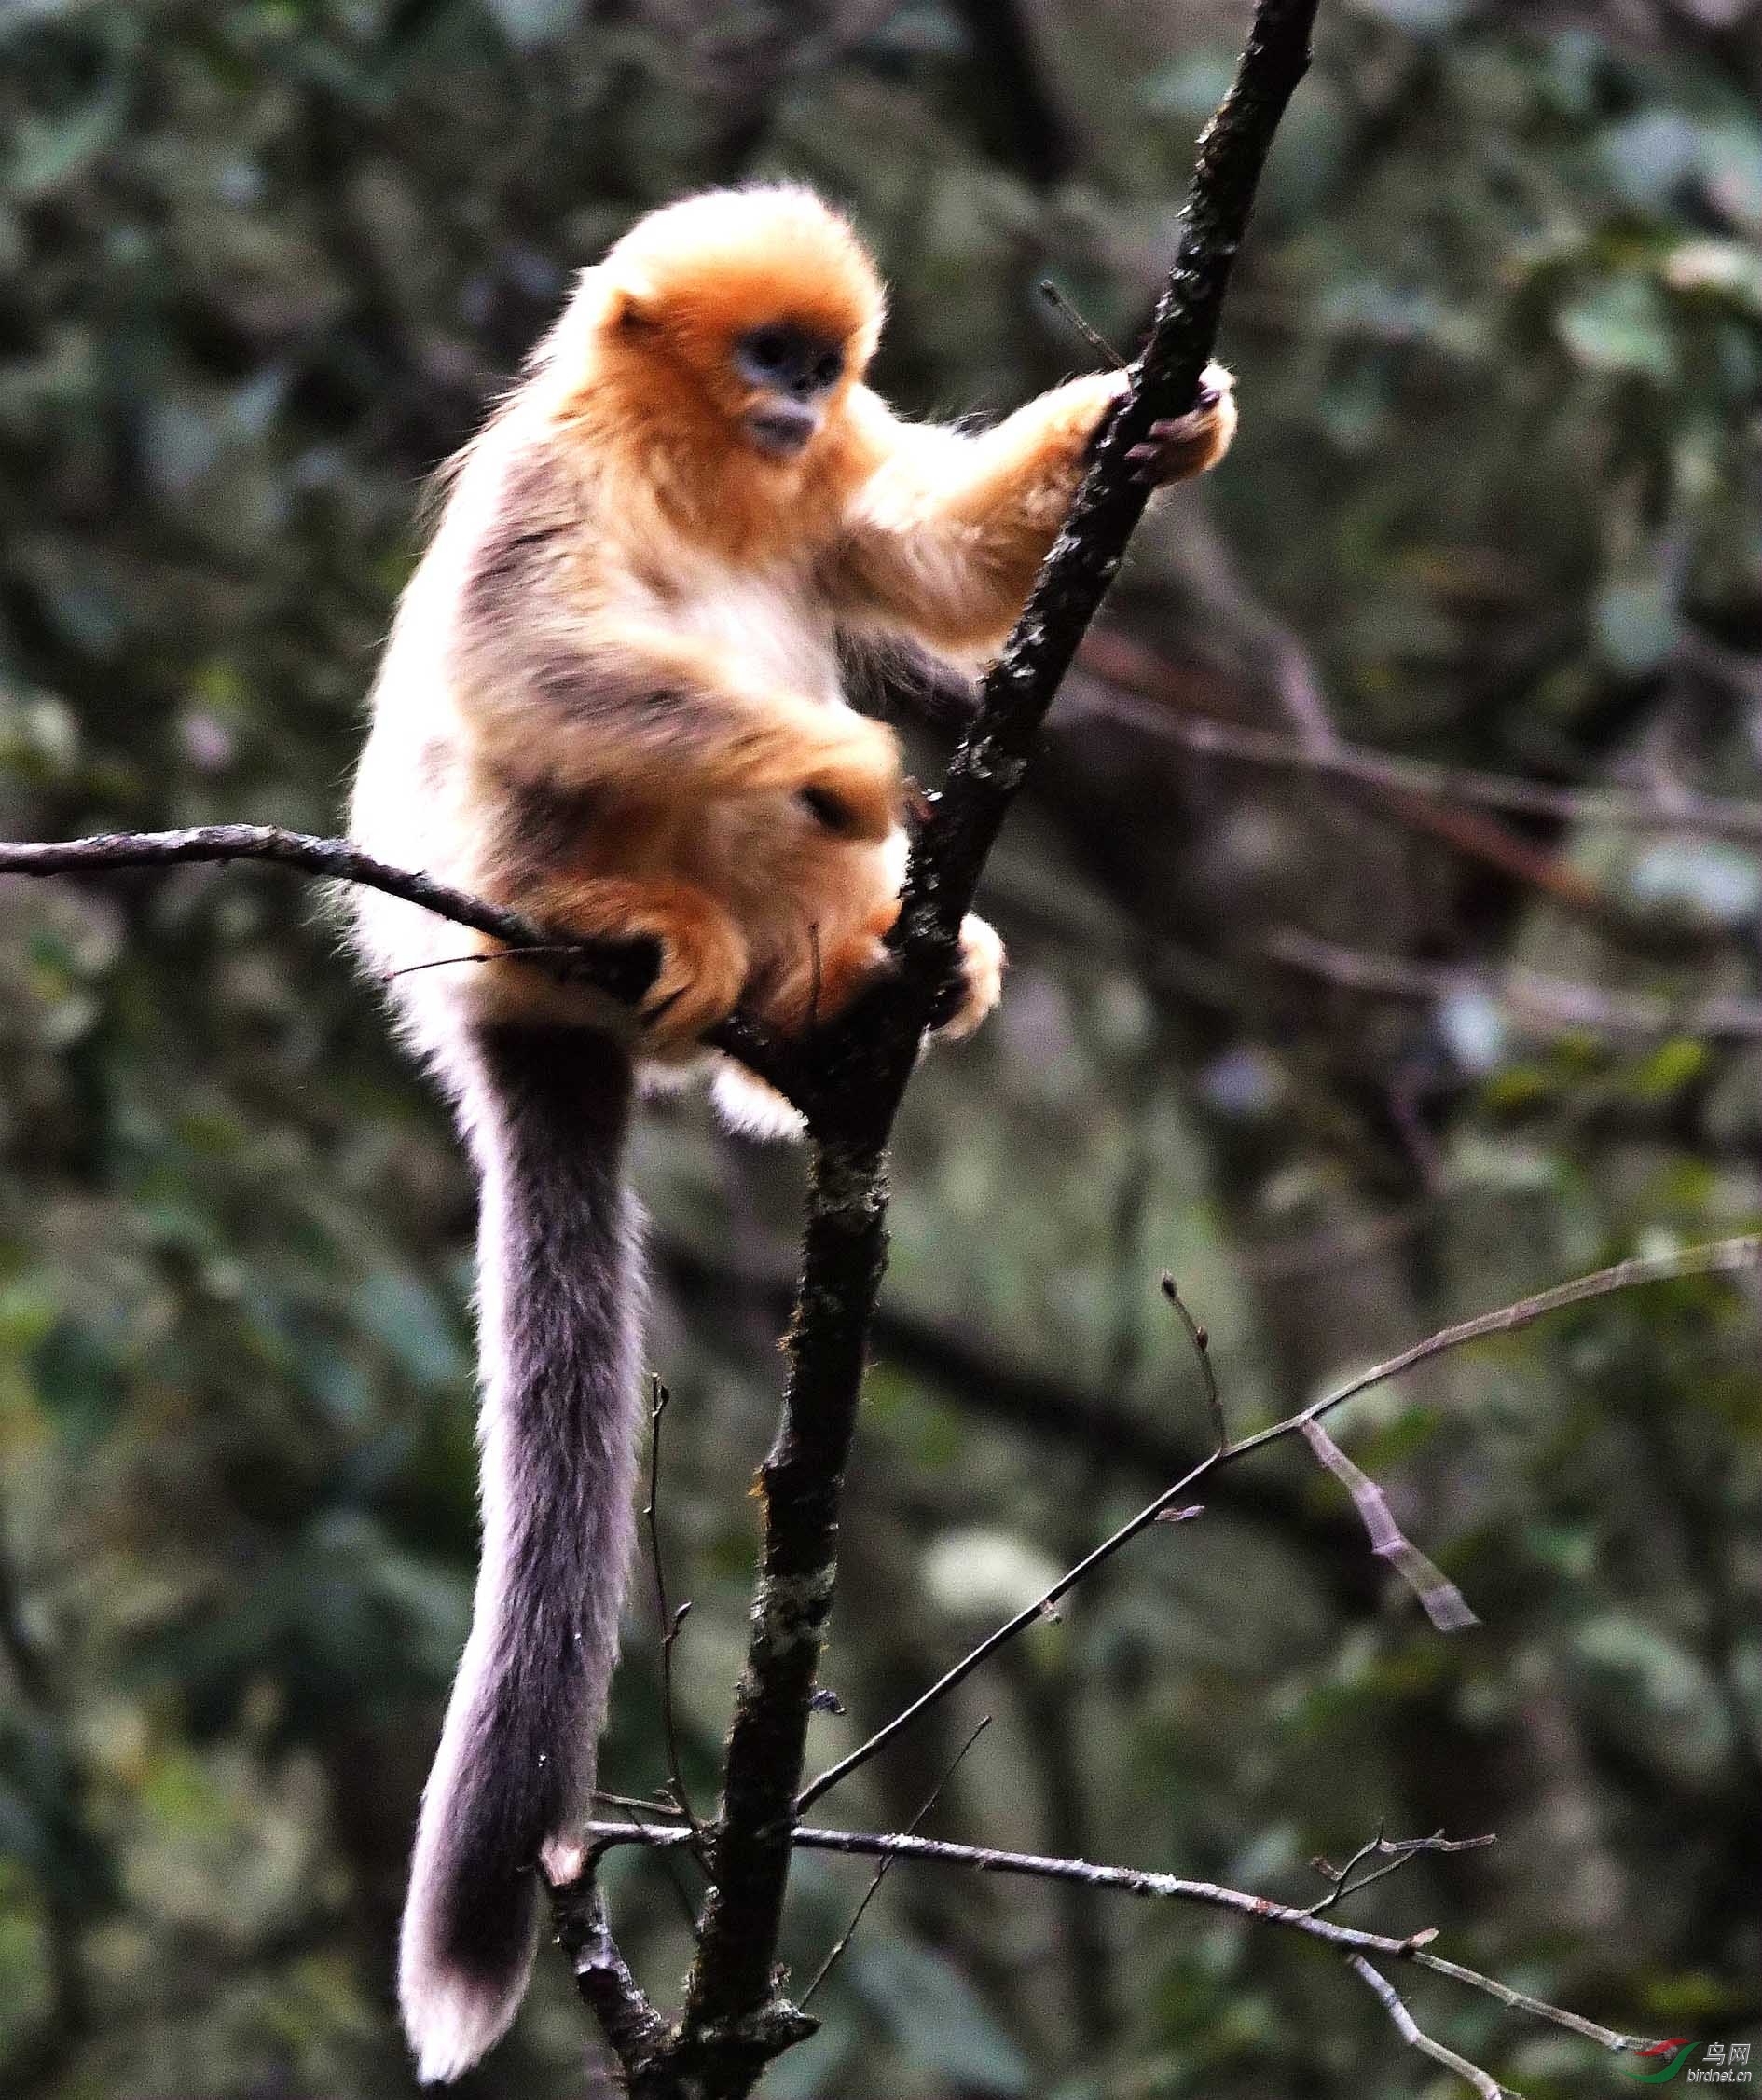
782, 432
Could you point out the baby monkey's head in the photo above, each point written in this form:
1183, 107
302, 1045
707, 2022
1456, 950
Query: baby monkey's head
758, 308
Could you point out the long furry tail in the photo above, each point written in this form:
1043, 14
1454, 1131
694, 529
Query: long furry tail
546, 1112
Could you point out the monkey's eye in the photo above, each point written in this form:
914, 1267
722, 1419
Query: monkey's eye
829, 367
769, 350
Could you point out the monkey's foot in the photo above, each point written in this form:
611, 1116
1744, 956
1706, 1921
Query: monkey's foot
1181, 446
703, 969
702, 953
982, 980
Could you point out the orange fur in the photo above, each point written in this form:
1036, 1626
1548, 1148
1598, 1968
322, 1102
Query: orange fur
613, 700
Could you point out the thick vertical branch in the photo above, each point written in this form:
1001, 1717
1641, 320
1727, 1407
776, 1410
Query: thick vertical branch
1024, 682
851, 1079
732, 2023
857, 1068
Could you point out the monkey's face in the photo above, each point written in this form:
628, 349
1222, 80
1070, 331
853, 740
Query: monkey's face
789, 375
740, 320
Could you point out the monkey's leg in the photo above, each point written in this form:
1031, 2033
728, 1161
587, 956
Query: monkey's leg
980, 979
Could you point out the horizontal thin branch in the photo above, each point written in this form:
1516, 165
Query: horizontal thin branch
1133, 1881
335, 858
1719, 1256
1532, 995
623, 970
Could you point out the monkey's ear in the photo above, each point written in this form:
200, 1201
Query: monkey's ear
629, 308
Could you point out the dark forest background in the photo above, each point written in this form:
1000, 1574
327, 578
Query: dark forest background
1497, 503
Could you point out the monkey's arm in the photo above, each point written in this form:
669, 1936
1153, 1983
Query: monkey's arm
588, 705
944, 536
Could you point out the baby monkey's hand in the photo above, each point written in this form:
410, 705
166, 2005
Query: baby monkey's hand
1180, 446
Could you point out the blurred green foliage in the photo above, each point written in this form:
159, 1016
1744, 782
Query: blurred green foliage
1497, 496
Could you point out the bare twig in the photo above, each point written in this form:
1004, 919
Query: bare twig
1134, 1881
1399, 1851
1717, 1257
670, 1621
976, 1374
623, 970
880, 1874
1068, 313
528, 954
1201, 1340
635, 1804
637, 1811
1411, 2033
335, 859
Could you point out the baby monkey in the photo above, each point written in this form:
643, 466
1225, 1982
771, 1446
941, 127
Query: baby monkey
611, 702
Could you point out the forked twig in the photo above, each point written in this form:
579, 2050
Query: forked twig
1415, 2037
1399, 1851
1090, 334
1413, 1948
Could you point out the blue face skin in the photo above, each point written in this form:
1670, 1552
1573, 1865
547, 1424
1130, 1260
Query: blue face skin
795, 369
